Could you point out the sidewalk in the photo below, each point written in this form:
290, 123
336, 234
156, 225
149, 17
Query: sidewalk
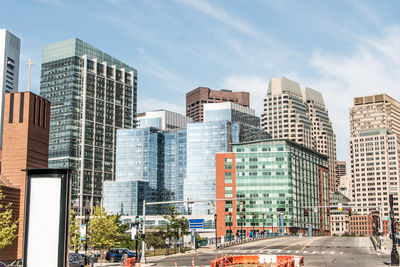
386, 245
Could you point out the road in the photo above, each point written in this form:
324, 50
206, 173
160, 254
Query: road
317, 251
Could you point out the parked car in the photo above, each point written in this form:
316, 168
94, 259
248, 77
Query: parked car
2, 264
116, 254
75, 260
16, 263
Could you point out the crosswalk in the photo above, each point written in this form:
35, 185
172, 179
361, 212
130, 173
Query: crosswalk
281, 251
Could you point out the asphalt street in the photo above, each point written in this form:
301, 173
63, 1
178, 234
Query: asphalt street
317, 251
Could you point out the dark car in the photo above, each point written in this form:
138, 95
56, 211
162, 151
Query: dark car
75, 260
116, 254
2, 264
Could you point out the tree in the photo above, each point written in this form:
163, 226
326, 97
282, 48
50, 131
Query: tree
155, 238
74, 231
8, 225
124, 237
177, 225
103, 230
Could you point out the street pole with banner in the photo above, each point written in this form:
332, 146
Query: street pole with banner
47, 205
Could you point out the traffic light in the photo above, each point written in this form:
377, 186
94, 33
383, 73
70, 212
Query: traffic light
349, 212
328, 212
305, 213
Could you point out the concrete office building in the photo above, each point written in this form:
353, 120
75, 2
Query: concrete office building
163, 119
196, 99
374, 153
92, 94
9, 69
225, 123
339, 218
340, 171
277, 179
26, 144
300, 114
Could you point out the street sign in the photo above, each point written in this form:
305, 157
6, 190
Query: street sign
196, 223
167, 241
133, 233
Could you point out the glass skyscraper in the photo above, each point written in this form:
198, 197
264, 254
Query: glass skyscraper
225, 123
151, 166
92, 94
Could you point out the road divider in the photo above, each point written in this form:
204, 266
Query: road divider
260, 260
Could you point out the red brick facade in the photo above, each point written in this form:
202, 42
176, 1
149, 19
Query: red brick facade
201, 95
25, 143
362, 225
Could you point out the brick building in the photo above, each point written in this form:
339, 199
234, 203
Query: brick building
362, 225
25, 143
196, 98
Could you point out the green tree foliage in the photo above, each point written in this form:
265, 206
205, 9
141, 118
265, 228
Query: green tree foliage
74, 231
124, 237
176, 224
8, 226
155, 238
103, 230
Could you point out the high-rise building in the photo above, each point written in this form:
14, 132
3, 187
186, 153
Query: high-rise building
196, 99
277, 180
162, 119
151, 164
26, 143
300, 115
9, 69
374, 153
225, 124
340, 171
92, 95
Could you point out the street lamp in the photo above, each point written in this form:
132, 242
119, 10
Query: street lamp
216, 237
272, 218
230, 226
254, 234
263, 224
87, 218
136, 237
394, 256
241, 226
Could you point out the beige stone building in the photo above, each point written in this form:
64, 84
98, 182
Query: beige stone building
374, 153
300, 114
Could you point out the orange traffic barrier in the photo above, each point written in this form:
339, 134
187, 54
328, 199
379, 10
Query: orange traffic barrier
129, 262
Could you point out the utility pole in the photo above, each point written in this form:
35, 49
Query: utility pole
143, 257
263, 224
272, 217
254, 233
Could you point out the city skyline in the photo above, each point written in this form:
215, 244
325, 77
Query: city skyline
230, 46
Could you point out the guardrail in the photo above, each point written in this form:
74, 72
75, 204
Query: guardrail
235, 242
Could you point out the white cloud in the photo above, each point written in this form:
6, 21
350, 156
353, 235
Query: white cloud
146, 103
256, 85
373, 68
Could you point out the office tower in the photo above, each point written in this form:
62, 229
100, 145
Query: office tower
196, 99
26, 143
9, 69
224, 124
374, 153
162, 119
92, 95
150, 165
300, 114
277, 179
340, 171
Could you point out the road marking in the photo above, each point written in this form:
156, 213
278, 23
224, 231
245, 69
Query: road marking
288, 251
341, 252
297, 251
307, 244
332, 252
322, 252
314, 252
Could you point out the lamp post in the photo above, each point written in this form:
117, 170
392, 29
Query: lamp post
394, 256
137, 235
254, 234
241, 226
216, 237
272, 218
87, 218
230, 226
263, 224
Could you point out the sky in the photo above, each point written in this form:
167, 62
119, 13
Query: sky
343, 49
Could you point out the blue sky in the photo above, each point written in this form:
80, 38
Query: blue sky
341, 48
